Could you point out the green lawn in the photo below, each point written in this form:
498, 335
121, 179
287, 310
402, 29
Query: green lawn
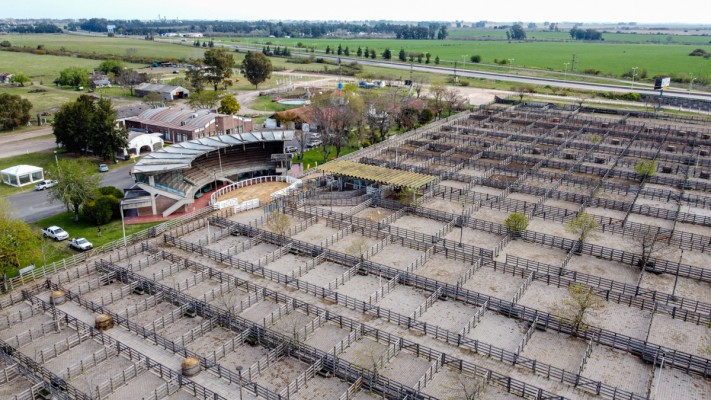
109, 232
265, 103
314, 156
44, 98
42, 159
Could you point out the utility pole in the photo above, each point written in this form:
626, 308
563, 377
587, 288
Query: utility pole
634, 74
565, 69
511, 60
572, 65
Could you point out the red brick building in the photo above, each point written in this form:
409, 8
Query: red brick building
178, 125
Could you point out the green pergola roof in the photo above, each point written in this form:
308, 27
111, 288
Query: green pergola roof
374, 173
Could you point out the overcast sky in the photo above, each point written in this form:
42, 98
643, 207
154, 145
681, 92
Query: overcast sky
683, 11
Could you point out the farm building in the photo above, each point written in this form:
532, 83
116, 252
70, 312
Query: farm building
166, 92
178, 125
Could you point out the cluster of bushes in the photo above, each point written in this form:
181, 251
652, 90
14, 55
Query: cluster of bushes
104, 206
629, 96
700, 53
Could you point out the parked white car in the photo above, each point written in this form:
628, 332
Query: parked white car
103, 168
45, 184
80, 244
55, 233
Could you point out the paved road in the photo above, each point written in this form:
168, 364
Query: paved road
14, 144
33, 206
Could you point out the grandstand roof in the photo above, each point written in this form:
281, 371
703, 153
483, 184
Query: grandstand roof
177, 118
181, 155
375, 173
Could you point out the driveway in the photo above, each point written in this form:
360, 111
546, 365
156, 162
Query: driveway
34, 206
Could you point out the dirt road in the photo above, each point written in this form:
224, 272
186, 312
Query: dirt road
13, 144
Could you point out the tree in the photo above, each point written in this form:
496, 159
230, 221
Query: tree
219, 62
387, 54
402, 56
106, 139
153, 99
257, 68
207, 99
111, 66
73, 76
19, 244
359, 52
278, 222
77, 183
581, 302
651, 244
14, 111
20, 79
373, 54
645, 168
197, 76
359, 247
229, 105
84, 125
583, 225
129, 79
337, 116
426, 116
366, 53
516, 223
101, 210
517, 32
475, 59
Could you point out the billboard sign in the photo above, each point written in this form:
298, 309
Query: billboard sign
661, 83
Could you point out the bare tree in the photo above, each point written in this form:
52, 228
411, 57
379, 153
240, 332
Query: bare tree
436, 99
129, 79
337, 116
652, 244
580, 303
278, 222
453, 101
467, 387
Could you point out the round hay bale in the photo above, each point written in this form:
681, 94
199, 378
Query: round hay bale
103, 322
190, 366
57, 297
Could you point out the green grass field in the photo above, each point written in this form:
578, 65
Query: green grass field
57, 250
49, 98
613, 58
639, 38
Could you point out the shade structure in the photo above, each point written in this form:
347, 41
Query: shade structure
378, 174
21, 175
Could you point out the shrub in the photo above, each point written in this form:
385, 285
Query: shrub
516, 223
101, 210
475, 59
111, 191
426, 116
5, 43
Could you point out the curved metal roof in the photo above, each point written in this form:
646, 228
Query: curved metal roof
181, 155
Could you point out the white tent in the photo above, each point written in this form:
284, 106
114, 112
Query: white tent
146, 142
21, 175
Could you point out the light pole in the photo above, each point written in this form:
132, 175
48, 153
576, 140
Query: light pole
239, 371
634, 74
511, 60
56, 160
455, 71
123, 225
565, 69
691, 80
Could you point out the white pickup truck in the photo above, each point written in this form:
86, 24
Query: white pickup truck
55, 233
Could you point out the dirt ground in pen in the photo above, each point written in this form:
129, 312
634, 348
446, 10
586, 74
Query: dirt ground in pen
674, 384
361, 287
152, 314
396, 256
326, 337
403, 299
604, 268
374, 213
449, 315
345, 244
494, 283
557, 349
207, 343
453, 184
472, 172
296, 320
322, 388
405, 368
261, 191
491, 215
679, 335
524, 197
259, 311
627, 198
651, 221
562, 204
656, 203
280, 373
444, 205
253, 254
500, 331
287, 263
535, 252
15, 386
443, 269
688, 288
605, 212
618, 368
245, 217
419, 224
486, 190
364, 352
317, 233
552, 228
244, 355
228, 244
88, 381
484, 240
448, 385
692, 228
180, 327
140, 387
324, 273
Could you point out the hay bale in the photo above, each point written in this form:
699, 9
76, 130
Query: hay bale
615, 142
190, 366
57, 297
103, 322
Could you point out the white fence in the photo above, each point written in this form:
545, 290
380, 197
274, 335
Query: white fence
293, 185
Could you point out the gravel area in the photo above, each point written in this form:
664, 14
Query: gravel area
651, 221
656, 203
316, 234
346, 245
500, 331
321, 388
257, 312
679, 335
486, 190
361, 287
364, 352
288, 262
618, 368
281, 373
491, 215
524, 197
419, 224
450, 315
444, 205
535, 252
443, 269
607, 269
692, 228
324, 273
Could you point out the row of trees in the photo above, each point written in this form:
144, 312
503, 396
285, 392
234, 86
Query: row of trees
264, 28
